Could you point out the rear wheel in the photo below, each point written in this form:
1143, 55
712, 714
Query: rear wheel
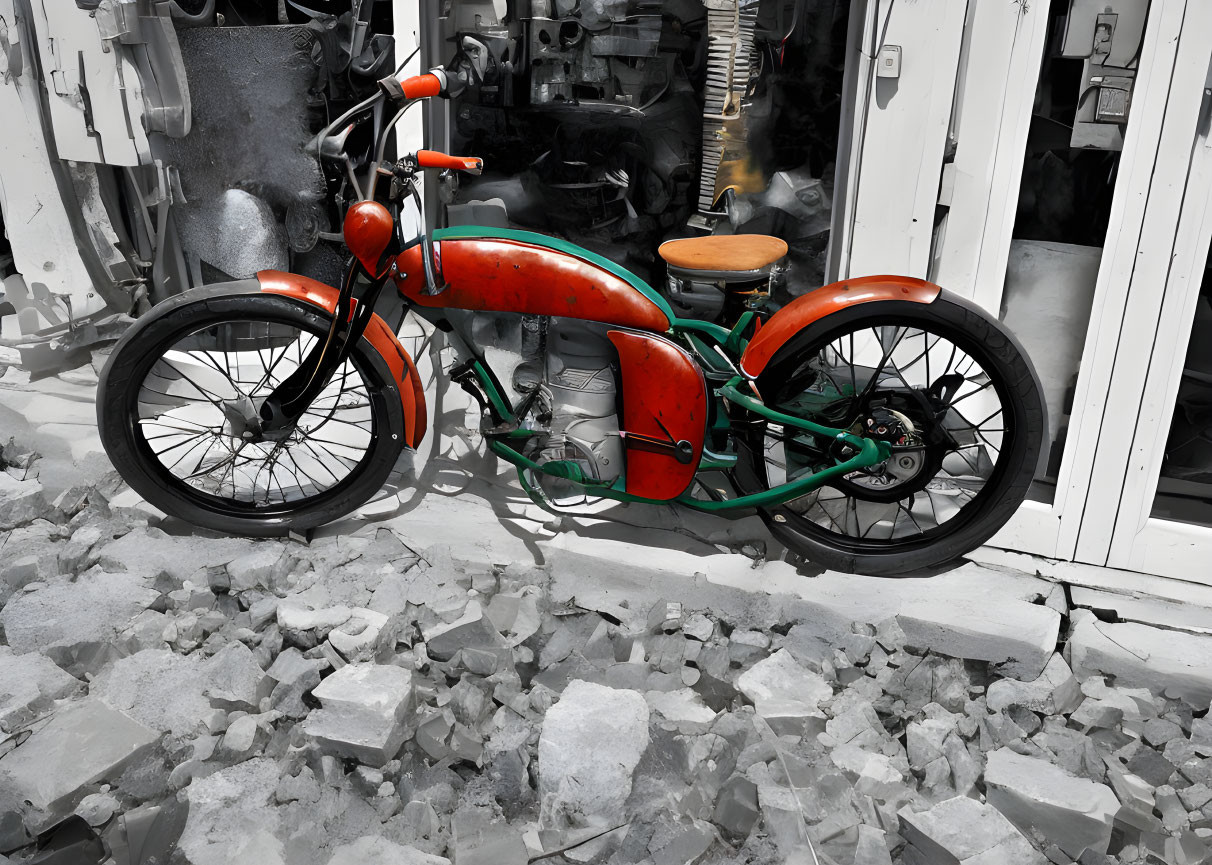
178, 398
948, 389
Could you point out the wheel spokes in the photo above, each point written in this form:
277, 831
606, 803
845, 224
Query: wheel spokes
197, 415
950, 398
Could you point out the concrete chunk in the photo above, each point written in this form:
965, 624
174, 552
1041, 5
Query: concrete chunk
81, 745
358, 634
231, 816
158, 688
374, 850
93, 609
1054, 692
471, 630
960, 831
148, 552
781, 679
736, 808
590, 721
293, 616
1173, 663
235, 679
21, 502
28, 685
256, 567
363, 714
1074, 813
495, 844
294, 675
683, 709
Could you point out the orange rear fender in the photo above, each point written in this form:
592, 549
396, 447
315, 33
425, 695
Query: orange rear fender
378, 334
781, 327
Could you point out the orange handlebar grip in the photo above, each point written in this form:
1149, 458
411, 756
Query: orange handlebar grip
434, 159
421, 86
414, 87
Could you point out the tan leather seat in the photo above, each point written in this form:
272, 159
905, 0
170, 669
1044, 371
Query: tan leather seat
730, 252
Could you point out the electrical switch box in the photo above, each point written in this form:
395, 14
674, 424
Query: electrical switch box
888, 62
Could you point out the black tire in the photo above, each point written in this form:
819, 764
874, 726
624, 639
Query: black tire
182, 318
1017, 387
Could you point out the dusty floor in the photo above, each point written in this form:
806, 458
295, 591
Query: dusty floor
455, 675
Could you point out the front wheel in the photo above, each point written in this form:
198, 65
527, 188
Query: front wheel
951, 392
176, 407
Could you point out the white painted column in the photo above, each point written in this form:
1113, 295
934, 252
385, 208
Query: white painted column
902, 136
1003, 50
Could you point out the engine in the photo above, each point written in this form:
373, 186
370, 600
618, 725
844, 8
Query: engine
577, 402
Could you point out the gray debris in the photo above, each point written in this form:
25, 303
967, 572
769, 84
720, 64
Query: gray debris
347, 700
962, 831
784, 692
472, 630
21, 502
96, 808
364, 710
495, 844
159, 688
235, 680
1054, 692
92, 610
374, 850
29, 685
736, 808
590, 720
294, 676
1074, 813
82, 744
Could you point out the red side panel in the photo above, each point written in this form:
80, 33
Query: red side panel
665, 409
510, 276
378, 334
815, 305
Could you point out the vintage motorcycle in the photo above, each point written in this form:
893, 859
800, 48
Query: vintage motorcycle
878, 425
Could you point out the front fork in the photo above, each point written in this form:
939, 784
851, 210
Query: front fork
281, 410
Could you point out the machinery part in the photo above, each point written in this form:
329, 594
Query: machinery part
730, 27
177, 411
957, 404
578, 401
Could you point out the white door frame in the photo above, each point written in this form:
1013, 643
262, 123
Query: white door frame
1138, 541
1144, 210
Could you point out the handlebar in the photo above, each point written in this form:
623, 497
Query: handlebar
435, 82
414, 86
434, 159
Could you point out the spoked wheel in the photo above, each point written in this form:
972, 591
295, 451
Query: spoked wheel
178, 402
952, 394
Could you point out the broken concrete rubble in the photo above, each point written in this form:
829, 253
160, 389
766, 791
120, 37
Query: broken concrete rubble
83, 743
364, 710
1074, 813
1054, 692
91, 610
578, 787
512, 712
1140, 656
962, 831
29, 685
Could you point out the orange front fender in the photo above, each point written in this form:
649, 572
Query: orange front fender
378, 334
815, 305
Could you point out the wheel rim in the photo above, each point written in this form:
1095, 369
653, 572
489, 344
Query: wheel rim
929, 394
190, 412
